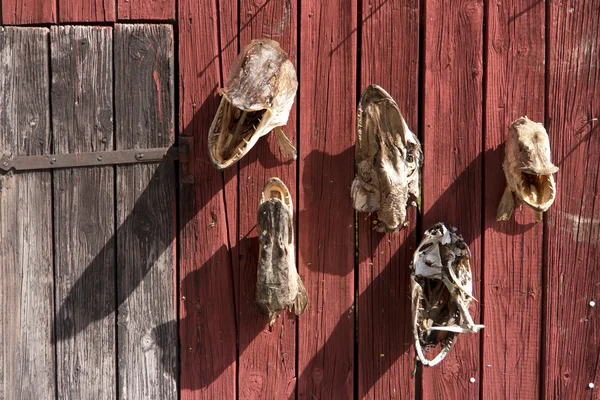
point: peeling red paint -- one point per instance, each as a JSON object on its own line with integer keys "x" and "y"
{"x": 157, "y": 82}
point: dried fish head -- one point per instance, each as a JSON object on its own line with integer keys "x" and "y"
{"x": 442, "y": 291}
{"x": 278, "y": 283}
{"x": 528, "y": 169}
{"x": 388, "y": 158}
{"x": 260, "y": 92}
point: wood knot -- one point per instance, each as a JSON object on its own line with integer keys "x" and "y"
{"x": 317, "y": 375}
{"x": 139, "y": 47}
{"x": 148, "y": 342}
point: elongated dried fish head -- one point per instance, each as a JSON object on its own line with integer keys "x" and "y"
{"x": 260, "y": 92}
{"x": 278, "y": 283}
{"x": 442, "y": 291}
{"x": 388, "y": 158}
{"x": 528, "y": 168}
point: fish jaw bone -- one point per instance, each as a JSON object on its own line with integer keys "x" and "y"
{"x": 262, "y": 83}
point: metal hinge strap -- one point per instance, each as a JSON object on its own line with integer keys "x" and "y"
{"x": 117, "y": 157}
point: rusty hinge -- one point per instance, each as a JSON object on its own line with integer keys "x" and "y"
{"x": 117, "y": 157}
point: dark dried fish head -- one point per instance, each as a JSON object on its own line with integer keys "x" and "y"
{"x": 260, "y": 92}
{"x": 388, "y": 158}
{"x": 528, "y": 169}
{"x": 278, "y": 285}
{"x": 442, "y": 291}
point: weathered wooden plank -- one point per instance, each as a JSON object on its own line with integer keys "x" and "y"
{"x": 207, "y": 308}
{"x": 267, "y": 356}
{"x": 326, "y": 221}
{"x": 27, "y": 367}
{"x": 146, "y": 214}
{"x": 452, "y": 171}
{"x": 82, "y": 110}
{"x": 389, "y": 58}
{"x": 24, "y": 12}
{"x": 86, "y": 10}
{"x": 228, "y": 23}
{"x": 573, "y": 222}
{"x": 512, "y": 298}
{"x": 159, "y": 10}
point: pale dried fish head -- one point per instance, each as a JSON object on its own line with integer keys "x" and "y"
{"x": 388, "y": 158}
{"x": 442, "y": 291}
{"x": 528, "y": 169}
{"x": 278, "y": 284}
{"x": 260, "y": 92}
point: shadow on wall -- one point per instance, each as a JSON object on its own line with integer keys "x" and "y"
{"x": 91, "y": 298}
{"x": 392, "y": 330}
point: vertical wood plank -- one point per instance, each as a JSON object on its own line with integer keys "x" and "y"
{"x": 24, "y": 12}
{"x": 267, "y": 355}
{"x": 86, "y": 11}
{"x": 389, "y": 58}
{"x": 146, "y": 214}
{"x": 452, "y": 171}
{"x": 227, "y": 52}
{"x": 573, "y": 222}
{"x": 82, "y": 111}
{"x": 159, "y": 10}
{"x": 326, "y": 220}
{"x": 27, "y": 367}
{"x": 512, "y": 298}
{"x": 207, "y": 325}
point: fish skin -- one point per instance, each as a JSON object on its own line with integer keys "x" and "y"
{"x": 261, "y": 79}
{"x": 388, "y": 158}
{"x": 528, "y": 169}
{"x": 278, "y": 284}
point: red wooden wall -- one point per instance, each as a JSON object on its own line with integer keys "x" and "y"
{"x": 461, "y": 72}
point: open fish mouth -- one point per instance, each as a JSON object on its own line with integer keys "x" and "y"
{"x": 260, "y": 92}
{"x": 537, "y": 190}
{"x": 441, "y": 291}
{"x": 528, "y": 169}
{"x": 233, "y": 133}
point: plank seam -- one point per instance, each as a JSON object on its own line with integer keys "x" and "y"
{"x": 178, "y": 227}
{"x": 418, "y": 383}
{"x": 298, "y": 176}
{"x": 359, "y": 39}
{"x": 115, "y": 217}
{"x": 93, "y": 23}
{"x": 484, "y": 83}
{"x": 53, "y": 214}
{"x": 544, "y": 319}
{"x": 237, "y": 210}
